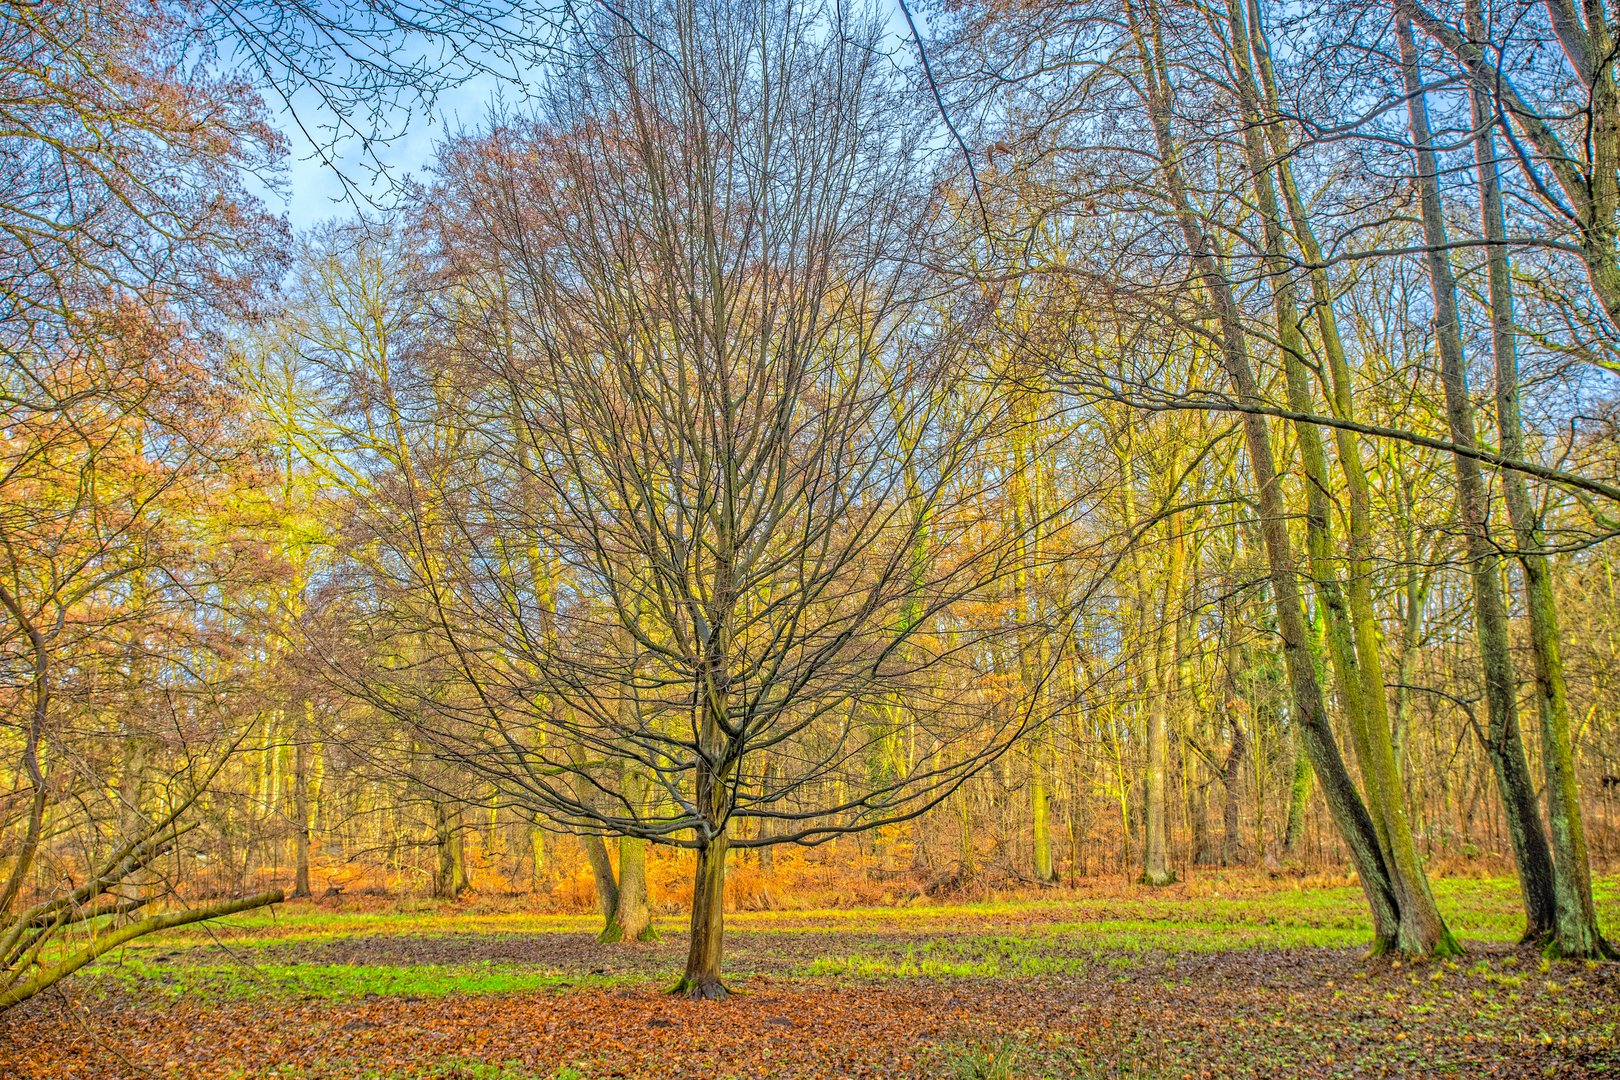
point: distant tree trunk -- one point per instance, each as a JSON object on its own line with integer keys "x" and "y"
{"x": 767, "y": 853}
{"x": 1299, "y": 798}
{"x": 631, "y": 919}
{"x": 966, "y": 861}
{"x": 1205, "y": 852}
{"x": 607, "y": 888}
{"x": 1232, "y": 853}
{"x": 1042, "y": 855}
{"x": 450, "y": 875}
{"x": 1155, "y": 855}
{"x": 1504, "y": 746}
{"x": 596, "y": 853}
{"x": 1576, "y": 930}
{"x": 301, "y": 807}
{"x": 132, "y": 785}
{"x": 537, "y": 851}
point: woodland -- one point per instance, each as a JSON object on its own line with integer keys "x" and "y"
{"x": 995, "y": 538}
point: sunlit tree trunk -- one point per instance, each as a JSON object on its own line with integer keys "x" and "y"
{"x": 301, "y": 803}
{"x": 1344, "y": 803}
{"x": 1490, "y": 617}
{"x": 631, "y": 919}
{"x": 1575, "y": 930}
{"x": 1356, "y": 655}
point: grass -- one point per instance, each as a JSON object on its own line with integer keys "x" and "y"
{"x": 1241, "y": 975}
{"x": 279, "y": 953}
{"x": 339, "y": 981}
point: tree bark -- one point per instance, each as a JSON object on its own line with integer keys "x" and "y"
{"x": 631, "y": 919}
{"x": 1299, "y": 797}
{"x": 1232, "y": 853}
{"x": 1352, "y": 630}
{"x": 1575, "y": 931}
{"x": 1344, "y": 803}
{"x": 300, "y": 808}
{"x": 1490, "y": 617}
{"x": 702, "y": 976}
{"x": 1041, "y": 811}
{"x": 607, "y": 888}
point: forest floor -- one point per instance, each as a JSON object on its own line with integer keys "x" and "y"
{"x": 1224, "y": 977}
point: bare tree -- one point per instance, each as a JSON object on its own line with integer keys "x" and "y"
{"x": 709, "y": 503}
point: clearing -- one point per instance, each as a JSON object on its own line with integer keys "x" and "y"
{"x": 1224, "y": 976}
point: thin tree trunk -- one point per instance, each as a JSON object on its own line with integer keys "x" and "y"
{"x": 1490, "y": 618}
{"x": 1155, "y": 861}
{"x": 1299, "y": 798}
{"x": 1042, "y": 855}
{"x": 301, "y": 807}
{"x": 1232, "y": 853}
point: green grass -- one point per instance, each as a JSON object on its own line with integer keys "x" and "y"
{"x": 349, "y": 980}
{"x": 1047, "y": 937}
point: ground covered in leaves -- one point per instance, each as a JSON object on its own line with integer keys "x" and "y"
{"x": 1220, "y": 977}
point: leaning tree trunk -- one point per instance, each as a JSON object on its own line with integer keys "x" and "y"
{"x": 1504, "y": 746}
{"x": 607, "y": 888}
{"x": 1576, "y": 930}
{"x": 1352, "y": 631}
{"x": 1344, "y": 803}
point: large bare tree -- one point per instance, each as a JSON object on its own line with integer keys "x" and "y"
{"x": 713, "y": 548}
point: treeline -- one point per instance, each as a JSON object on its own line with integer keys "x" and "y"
{"x": 1142, "y": 436}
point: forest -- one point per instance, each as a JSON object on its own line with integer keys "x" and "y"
{"x": 990, "y": 539}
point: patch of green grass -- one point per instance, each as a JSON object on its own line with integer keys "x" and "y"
{"x": 1027, "y": 1057}
{"x": 350, "y": 980}
{"x": 995, "y": 1062}
{"x": 954, "y": 957}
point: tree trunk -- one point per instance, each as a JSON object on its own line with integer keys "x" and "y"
{"x": 702, "y": 976}
{"x": 1155, "y": 856}
{"x": 1344, "y": 803}
{"x": 537, "y": 852}
{"x": 1490, "y": 618}
{"x": 607, "y": 889}
{"x": 1299, "y": 798}
{"x": 300, "y": 813}
{"x": 1232, "y": 853}
{"x": 1352, "y": 629}
{"x": 1576, "y": 929}
{"x": 631, "y": 919}
{"x": 1042, "y": 855}
{"x": 449, "y": 877}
